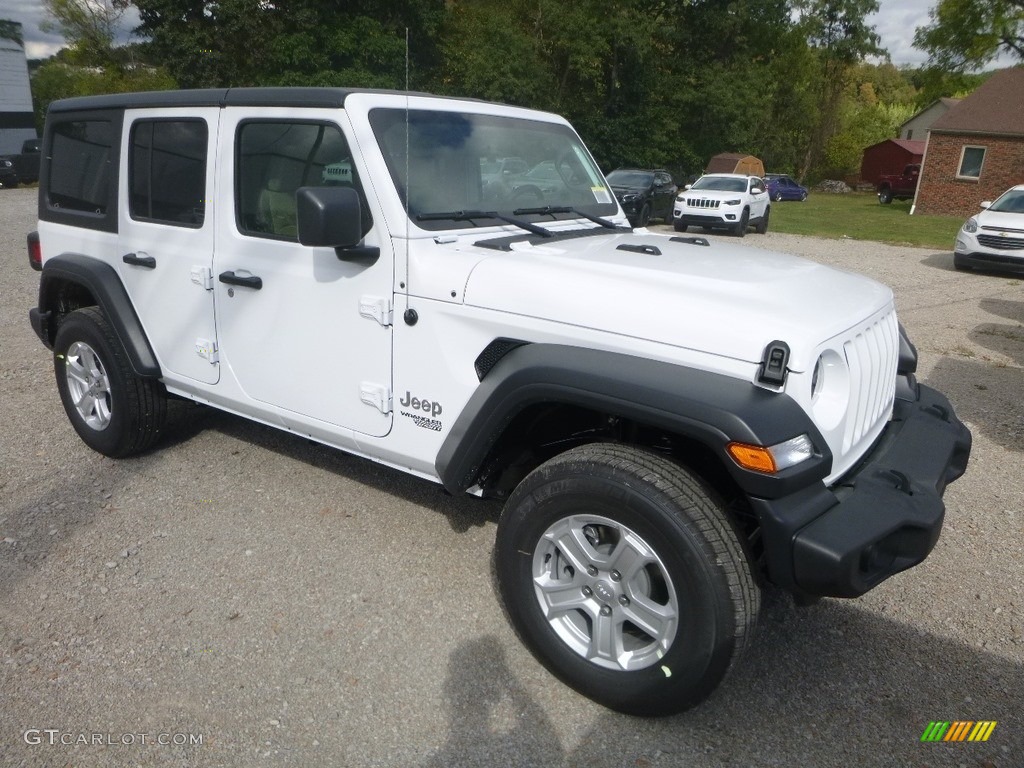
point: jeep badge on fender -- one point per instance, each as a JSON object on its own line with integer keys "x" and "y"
{"x": 668, "y": 428}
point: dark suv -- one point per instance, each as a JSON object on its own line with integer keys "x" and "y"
{"x": 644, "y": 195}
{"x": 27, "y": 163}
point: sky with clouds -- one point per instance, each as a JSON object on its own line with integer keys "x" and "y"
{"x": 895, "y": 22}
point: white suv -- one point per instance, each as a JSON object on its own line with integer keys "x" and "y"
{"x": 671, "y": 423}
{"x": 730, "y": 201}
{"x": 994, "y": 238}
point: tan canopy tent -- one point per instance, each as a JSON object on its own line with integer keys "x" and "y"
{"x": 732, "y": 162}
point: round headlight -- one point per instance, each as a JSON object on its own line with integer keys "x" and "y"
{"x": 817, "y": 378}
{"x": 971, "y": 225}
{"x": 830, "y": 389}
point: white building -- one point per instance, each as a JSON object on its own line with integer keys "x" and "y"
{"x": 16, "y": 119}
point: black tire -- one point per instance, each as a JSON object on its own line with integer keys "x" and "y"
{"x": 114, "y": 411}
{"x": 644, "y": 217}
{"x": 691, "y": 561}
{"x": 803, "y": 197}
{"x": 777, "y": 197}
{"x": 679, "y": 226}
{"x": 885, "y": 196}
{"x": 740, "y": 229}
{"x": 960, "y": 264}
{"x": 762, "y": 224}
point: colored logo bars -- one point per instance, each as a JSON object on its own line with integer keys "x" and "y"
{"x": 958, "y": 730}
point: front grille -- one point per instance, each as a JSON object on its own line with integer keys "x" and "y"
{"x": 872, "y": 355}
{"x": 1001, "y": 243}
{"x": 702, "y": 202}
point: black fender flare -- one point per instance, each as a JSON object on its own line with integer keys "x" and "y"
{"x": 711, "y": 408}
{"x": 104, "y": 284}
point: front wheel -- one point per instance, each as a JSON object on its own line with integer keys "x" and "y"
{"x": 679, "y": 226}
{"x": 644, "y": 217}
{"x": 114, "y": 411}
{"x": 621, "y": 573}
{"x": 740, "y": 229}
{"x": 885, "y": 196}
{"x": 762, "y": 225}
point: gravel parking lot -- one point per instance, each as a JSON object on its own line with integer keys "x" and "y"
{"x": 251, "y": 598}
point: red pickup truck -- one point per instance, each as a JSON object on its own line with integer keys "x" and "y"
{"x": 892, "y": 187}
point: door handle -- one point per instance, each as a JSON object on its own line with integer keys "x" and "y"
{"x": 247, "y": 282}
{"x": 139, "y": 261}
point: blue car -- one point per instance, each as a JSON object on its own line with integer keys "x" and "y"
{"x": 782, "y": 187}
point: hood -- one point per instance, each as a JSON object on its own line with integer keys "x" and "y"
{"x": 713, "y": 194}
{"x": 1000, "y": 220}
{"x": 721, "y": 299}
{"x": 629, "y": 187}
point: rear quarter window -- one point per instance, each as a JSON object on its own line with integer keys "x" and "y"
{"x": 79, "y": 176}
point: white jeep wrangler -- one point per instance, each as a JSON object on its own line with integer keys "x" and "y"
{"x": 673, "y": 423}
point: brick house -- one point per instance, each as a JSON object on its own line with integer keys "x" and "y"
{"x": 975, "y": 151}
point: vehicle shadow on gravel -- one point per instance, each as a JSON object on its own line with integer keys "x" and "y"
{"x": 462, "y": 512}
{"x": 830, "y": 685}
{"x": 985, "y": 394}
{"x": 943, "y": 261}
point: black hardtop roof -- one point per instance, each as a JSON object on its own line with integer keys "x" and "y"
{"x": 220, "y": 97}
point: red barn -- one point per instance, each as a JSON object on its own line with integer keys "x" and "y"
{"x": 889, "y": 157}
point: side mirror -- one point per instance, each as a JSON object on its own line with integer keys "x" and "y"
{"x": 687, "y": 186}
{"x": 985, "y": 204}
{"x": 329, "y": 217}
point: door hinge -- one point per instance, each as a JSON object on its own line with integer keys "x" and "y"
{"x": 376, "y": 308}
{"x": 376, "y": 395}
{"x": 203, "y": 276}
{"x": 208, "y": 350}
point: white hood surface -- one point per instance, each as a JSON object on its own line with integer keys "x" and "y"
{"x": 719, "y": 298}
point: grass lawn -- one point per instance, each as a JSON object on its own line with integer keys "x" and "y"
{"x": 860, "y": 216}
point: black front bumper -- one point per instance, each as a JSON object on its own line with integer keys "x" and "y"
{"x": 881, "y": 518}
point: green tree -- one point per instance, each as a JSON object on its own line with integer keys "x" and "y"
{"x": 10, "y": 31}
{"x": 968, "y": 34}
{"x": 838, "y": 32}
{"x": 224, "y": 43}
{"x": 93, "y": 62}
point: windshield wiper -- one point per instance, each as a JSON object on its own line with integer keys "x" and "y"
{"x": 469, "y": 215}
{"x": 568, "y": 209}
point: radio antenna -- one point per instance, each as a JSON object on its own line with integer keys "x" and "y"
{"x": 408, "y": 178}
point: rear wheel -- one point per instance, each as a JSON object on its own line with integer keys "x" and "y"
{"x": 114, "y": 411}
{"x": 619, "y": 570}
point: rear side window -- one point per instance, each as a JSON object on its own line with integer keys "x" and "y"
{"x": 167, "y": 171}
{"x": 274, "y": 159}
{"x": 81, "y": 175}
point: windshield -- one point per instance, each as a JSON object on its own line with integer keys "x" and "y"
{"x": 459, "y": 162}
{"x": 1009, "y": 202}
{"x": 630, "y": 179}
{"x": 720, "y": 184}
